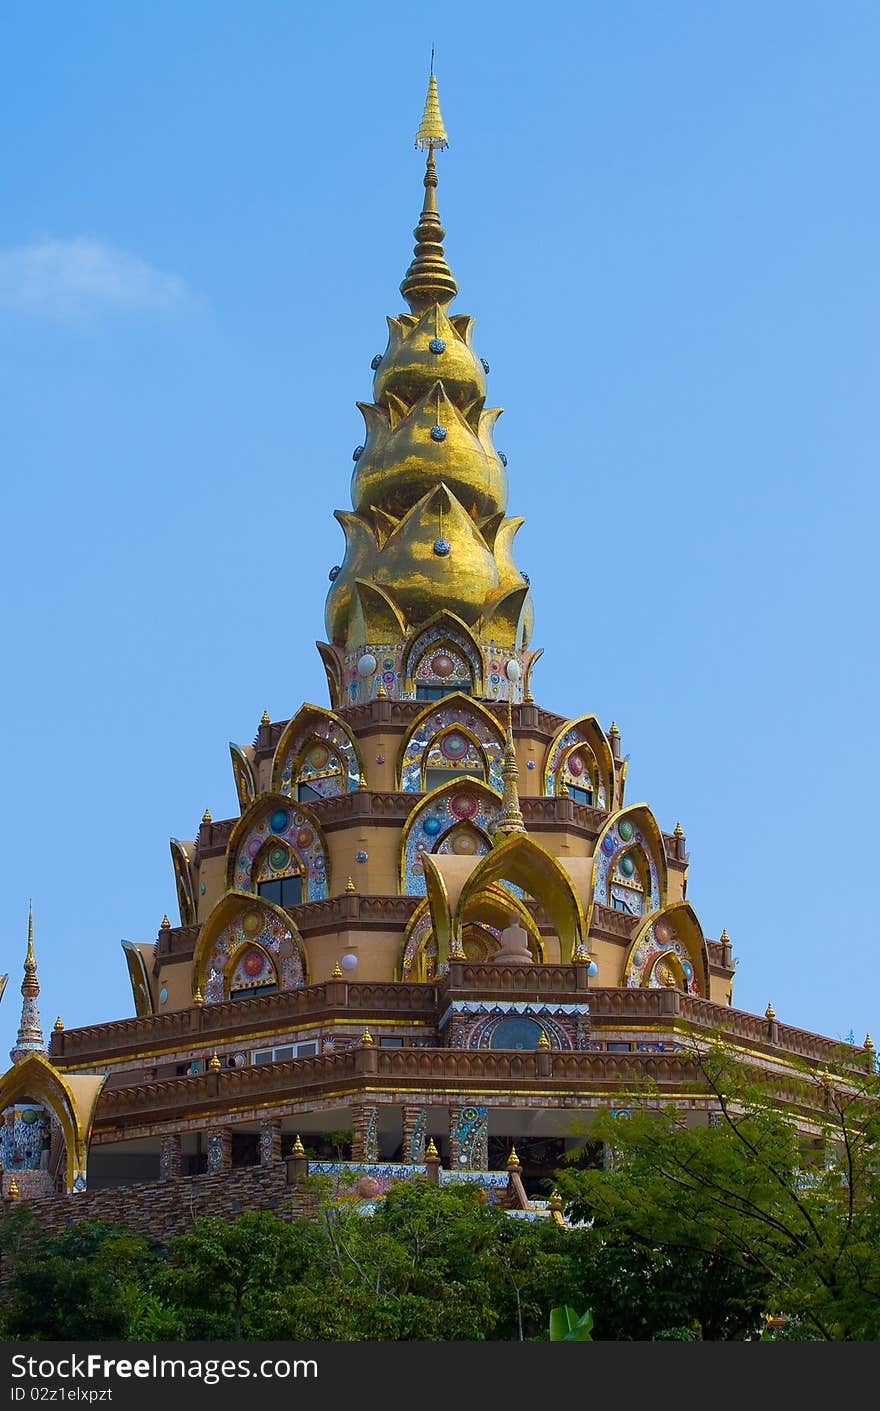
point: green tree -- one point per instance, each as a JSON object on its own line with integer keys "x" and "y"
{"x": 744, "y": 1205}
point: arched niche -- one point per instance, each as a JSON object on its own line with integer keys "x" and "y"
{"x": 316, "y": 757}
{"x": 238, "y": 922}
{"x": 443, "y": 658}
{"x": 274, "y": 840}
{"x": 461, "y": 812}
{"x": 485, "y": 917}
{"x": 522, "y": 862}
{"x": 455, "y": 736}
{"x": 629, "y": 871}
{"x": 669, "y": 950}
{"x": 70, "y": 1099}
{"x": 579, "y": 763}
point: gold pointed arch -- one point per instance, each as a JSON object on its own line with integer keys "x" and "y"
{"x": 333, "y": 671}
{"x": 267, "y": 803}
{"x": 457, "y": 700}
{"x": 3, "y": 979}
{"x": 454, "y": 786}
{"x": 495, "y": 904}
{"x": 688, "y": 930}
{"x": 521, "y": 860}
{"x": 223, "y": 913}
{"x": 643, "y": 815}
{"x": 71, "y": 1098}
{"x": 137, "y": 973}
{"x": 598, "y": 743}
{"x": 304, "y": 717}
{"x": 454, "y": 626}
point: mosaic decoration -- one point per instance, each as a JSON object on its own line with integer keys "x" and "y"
{"x": 573, "y": 756}
{"x": 79, "y": 1183}
{"x": 254, "y": 970}
{"x": 215, "y": 1153}
{"x": 436, "y": 742}
{"x": 624, "y": 847}
{"x": 267, "y": 1143}
{"x": 505, "y": 673}
{"x": 440, "y": 656}
{"x": 516, "y": 1024}
{"x": 384, "y": 1173}
{"x": 471, "y": 1136}
{"x": 253, "y": 928}
{"x": 660, "y": 959}
{"x": 321, "y": 755}
{"x": 389, "y": 673}
{"x": 459, "y": 821}
{"x": 371, "y": 1135}
{"x": 417, "y": 1136}
{"x": 421, "y": 938}
{"x": 284, "y": 842}
{"x": 25, "y": 1137}
{"x": 169, "y": 1157}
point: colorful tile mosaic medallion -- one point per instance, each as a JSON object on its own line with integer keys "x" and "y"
{"x": 661, "y": 958}
{"x": 253, "y": 930}
{"x": 626, "y": 873}
{"x": 321, "y": 756}
{"x": 453, "y": 735}
{"x": 283, "y": 842}
{"x": 573, "y": 755}
{"x": 25, "y": 1134}
{"x": 460, "y": 821}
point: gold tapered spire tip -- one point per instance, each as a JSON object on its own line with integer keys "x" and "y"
{"x": 769, "y": 1012}
{"x": 12, "y": 1190}
{"x": 513, "y": 1159}
{"x": 430, "y": 1150}
{"x": 215, "y": 1063}
{"x": 166, "y": 924}
{"x": 337, "y": 971}
{"x": 298, "y": 1149}
{"x": 206, "y": 816}
{"x": 431, "y": 131}
{"x": 58, "y": 1025}
{"x": 366, "y": 1038}
{"x": 264, "y": 718}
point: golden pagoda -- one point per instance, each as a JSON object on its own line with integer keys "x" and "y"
{"x": 432, "y": 863}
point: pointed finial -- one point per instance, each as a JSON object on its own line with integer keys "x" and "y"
{"x": 198, "y": 997}
{"x": 555, "y": 1200}
{"x": 12, "y": 1191}
{"x": 30, "y": 1035}
{"x": 679, "y": 831}
{"x": 362, "y": 781}
{"x": 769, "y": 1012}
{"x": 543, "y": 1041}
{"x": 366, "y": 1039}
{"x": 215, "y": 1063}
{"x": 513, "y": 1160}
{"x": 429, "y": 279}
{"x": 166, "y": 924}
{"x": 431, "y": 1152}
{"x": 869, "y": 1043}
{"x": 614, "y": 730}
{"x": 297, "y": 1149}
{"x": 724, "y": 938}
{"x": 510, "y": 819}
{"x": 337, "y": 971}
{"x": 264, "y": 718}
{"x": 431, "y": 131}
{"x": 381, "y": 693}
{"x": 350, "y": 886}
{"x": 206, "y": 816}
{"x": 58, "y": 1026}
{"x": 825, "y": 1077}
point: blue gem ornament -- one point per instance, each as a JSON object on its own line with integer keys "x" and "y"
{"x": 502, "y": 457}
{"x": 437, "y": 345}
{"x": 485, "y": 366}
{"x": 334, "y": 573}
{"x": 438, "y": 433}
{"x": 376, "y": 361}
{"x": 441, "y": 548}
{"x": 357, "y": 453}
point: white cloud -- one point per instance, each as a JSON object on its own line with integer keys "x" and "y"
{"x": 68, "y": 277}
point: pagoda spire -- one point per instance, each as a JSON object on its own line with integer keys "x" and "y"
{"x": 511, "y": 819}
{"x": 429, "y": 280}
{"x": 30, "y": 1035}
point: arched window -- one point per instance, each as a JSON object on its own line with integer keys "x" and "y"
{"x": 440, "y": 670}
{"x": 629, "y": 883}
{"x": 319, "y": 773}
{"x": 277, "y": 874}
{"x": 454, "y": 753}
{"x": 251, "y": 972}
{"x": 579, "y": 776}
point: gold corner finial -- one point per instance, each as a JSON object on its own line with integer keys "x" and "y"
{"x": 869, "y": 1043}
{"x": 381, "y": 693}
{"x": 337, "y": 971}
{"x": 431, "y": 1151}
{"x": 362, "y": 781}
{"x": 724, "y": 936}
{"x": 198, "y": 997}
{"x": 679, "y": 831}
{"x": 614, "y": 730}
{"x": 350, "y": 886}
{"x": 165, "y": 924}
{"x": 58, "y": 1026}
{"x": 366, "y": 1038}
{"x": 543, "y": 1041}
{"x": 264, "y": 718}
{"x": 769, "y": 1012}
{"x": 215, "y": 1063}
{"x": 432, "y": 132}
{"x": 513, "y": 1159}
{"x": 510, "y": 819}
{"x": 12, "y": 1190}
{"x": 298, "y": 1149}
{"x": 825, "y": 1077}
{"x": 555, "y": 1200}
{"x": 206, "y": 816}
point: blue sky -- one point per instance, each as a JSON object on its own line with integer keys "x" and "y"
{"x": 664, "y": 218}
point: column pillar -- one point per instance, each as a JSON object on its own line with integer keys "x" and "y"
{"x": 468, "y": 1138}
{"x": 169, "y": 1157}
{"x": 270, "y": 1141}
{"x": 365, "y": 1129}
{"x": 415, "y": 1128}
{"x": 219, "y": 1150}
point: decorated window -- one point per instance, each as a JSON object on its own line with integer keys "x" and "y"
{"x": 450, "y": 742}
{"x": 252, "y": 972}
{"x": 459, "y": 821}
{"x": 627, "y": 879}
{"x": 320, "y": 773}
{"x": 281, "y": 856}
{"x": 627, "y": 886}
